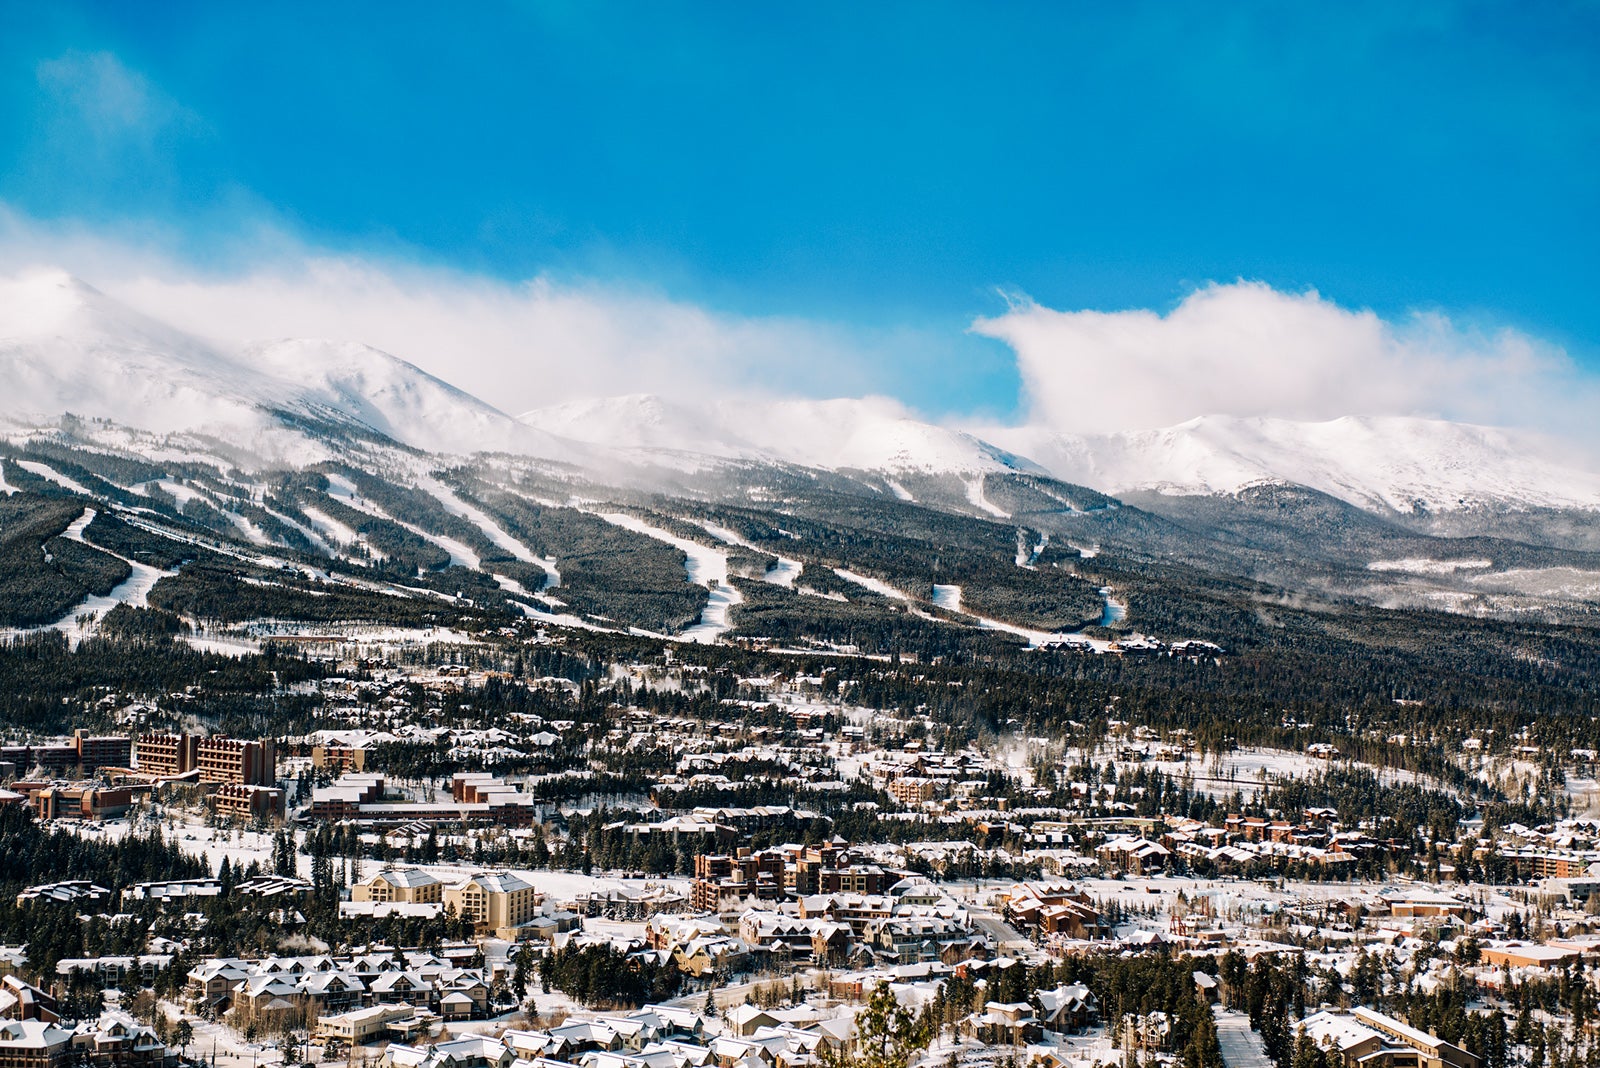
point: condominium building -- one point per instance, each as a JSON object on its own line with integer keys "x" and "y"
{"x": 166, "y": 755}
{"x": 401, "y": 885}
{"x": 233, "y": 760}
{"x": 493, "y": 900}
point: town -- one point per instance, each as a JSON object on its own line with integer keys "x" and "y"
{"x": 449, "y": 863}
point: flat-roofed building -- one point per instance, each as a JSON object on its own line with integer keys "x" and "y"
{"x": 234, "y": 760}
{"x": 165, "y": 755}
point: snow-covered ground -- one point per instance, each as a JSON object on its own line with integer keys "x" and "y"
{"x": 5, "y": 487}
{"x": 1114, "y": 612}
{"x": 704, "y": 565}
{"x": 781, "y": 573}
{"x": 947, "y": 597}
{"x": 1418, "y": 565}
{"x": 882, "y": 589}
{"x": 50, "y": 474}
{"x": 81, "y": 620}
{"x": 1028, "y": 555}
{"x": 976, "y": 498}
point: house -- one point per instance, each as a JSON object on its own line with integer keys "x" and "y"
{"x": 117, "y": 1040}
{"x": 1374, "y": 1040}
{"x": 1003, "y": 1024}
{"x": 35, "y": 1044}
{"x": 24, "y": 1001}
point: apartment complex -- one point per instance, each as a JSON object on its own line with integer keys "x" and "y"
{"x": 233, "y": 760}
{"x": 217, "y": 758}
{"x": 85, "y": 751}
{"x": 166, "y": 755}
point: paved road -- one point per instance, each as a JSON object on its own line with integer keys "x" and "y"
{"x": 1241, "y": 1047}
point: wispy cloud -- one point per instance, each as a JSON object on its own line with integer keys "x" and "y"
{"x": 1248, "y": 349}
{"x": 517, "y": 345}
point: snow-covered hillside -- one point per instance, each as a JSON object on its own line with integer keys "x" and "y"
{"x": 1399, "y": 463}
{"x": 67, "y": 347}
{"x": 868, "y": 433}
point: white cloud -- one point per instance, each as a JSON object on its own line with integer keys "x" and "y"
{"x": 1247, "y": 349}
{"x": 516, "y": 345}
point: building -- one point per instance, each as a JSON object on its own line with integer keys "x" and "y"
{"x": 342, "y": 758}
{"x": 720, "y": 879}
{"x": 1373, "y": 1040}
{"x": 34, "y": 1044}
{"x": 117, "y": 1040}
{"x": 82, "y": 801}
{"x": 24, "y": 1001}
{"x": 344, "y": 799}
{"x": 493, "y": 901}
{"x": 94, "y": 753}
{"x": 233, "y": 760}
{"x": 243, "y": 802}
{"x": 166, "y": 756}
{"x": 405, "y": 885}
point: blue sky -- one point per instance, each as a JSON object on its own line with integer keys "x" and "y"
{"x": 880, "y": 170}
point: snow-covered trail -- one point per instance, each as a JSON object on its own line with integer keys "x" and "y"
{"x": 50, "y": 474}
{"x": 949, "y": 598}
{"x": 133, "y": 591}
{"x": 497, "y": 535}
{"x": 1028, "y": 556}
{"x": 316, "y": 540}
{"x": 882, "y": 589}
{"x": 976, "y": 498}
{"x": 1114, "y": 611}
{"x": 344, "y": 491}
{"x": 782, "y": 573}
{"x": 899, "y": 491}
{"x": 5, "y": 487}
{"x": 705, "y": 566}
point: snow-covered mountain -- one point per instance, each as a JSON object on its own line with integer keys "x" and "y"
{"x": 1380, "y": 463}
{"x": 67, "y": 347}
{"x": 868, "y": 433}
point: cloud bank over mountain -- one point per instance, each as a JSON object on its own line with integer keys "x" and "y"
{"x": 1241, "y": 349}
{"x": 1246, "y": 349}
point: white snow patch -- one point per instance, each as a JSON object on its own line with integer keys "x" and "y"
{"x": 781, "y": 573}
{"x": 50, "y": 474}
{"x": 1421, "y": 565}
{"x": 899, "y": 490}
{"x": 947, "y": 597}
{"x": 5, "y": 487}
{"x": 133, "y": 591}
{"x": 976, "y": 498}
{"x": 704, "y": 565}
{"x": 882, "y": 589}
{"x": 1028, "y": 556}
{"x": 1114, "y": 611}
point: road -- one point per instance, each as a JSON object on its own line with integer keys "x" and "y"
{"x": 1241, "y": 1047}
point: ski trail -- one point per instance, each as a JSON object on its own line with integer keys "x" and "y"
{"x": 133, "y": 591}
{"x": 882, "y": 589}
{"x": 782, "y": 573}
{"x": 705, "y": 566}
{"x": 976, "y": 498}
{"x": 497, "y": 535}
{"x": 50, "y": 474}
